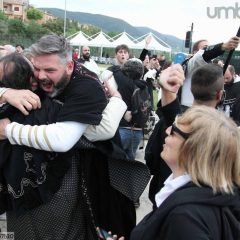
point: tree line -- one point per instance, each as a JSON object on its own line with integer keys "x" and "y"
{"x": 17, "y": 31}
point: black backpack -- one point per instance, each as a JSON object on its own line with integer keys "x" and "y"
{"x": 141, "y": 106}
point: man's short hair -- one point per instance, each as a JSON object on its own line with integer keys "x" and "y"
{"x": 120, "y": 47}
{"x": 195, "y": 47}
{"x": 231, "y": 69}
{"x": 206, "y": 82}
{"x": 53, "y": 44}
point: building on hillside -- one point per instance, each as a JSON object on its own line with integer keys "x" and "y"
{"x": 17, "y": 9}
{"x": 46, "y": 17}
{"x": 14, "y": 9}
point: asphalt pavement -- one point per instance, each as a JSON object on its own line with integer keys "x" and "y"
{"x": 145, "y": 204}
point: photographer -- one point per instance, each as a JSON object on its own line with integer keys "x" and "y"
{"x": 202, "y": 54}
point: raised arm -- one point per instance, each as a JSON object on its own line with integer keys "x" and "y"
{"x": 144, "y": 52}
{"x": 171, "y": 79}
{"x": 218, "y": 49}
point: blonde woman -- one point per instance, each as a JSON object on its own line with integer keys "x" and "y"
{"x": 200, "y": 199}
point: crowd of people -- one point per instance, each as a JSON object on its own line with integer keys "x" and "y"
{"x": 70, "y": 133}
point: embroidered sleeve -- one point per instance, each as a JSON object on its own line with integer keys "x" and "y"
{"x": 57, "y": 137}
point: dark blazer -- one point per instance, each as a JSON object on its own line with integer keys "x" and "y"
{"x": 158, "y": 168}
{"x": 193, "y": 212}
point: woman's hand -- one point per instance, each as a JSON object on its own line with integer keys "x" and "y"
{"x": 23, "y": 100}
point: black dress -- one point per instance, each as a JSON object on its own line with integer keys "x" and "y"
{"x": 87, "y": 195}
{"x": 66, "y": 214}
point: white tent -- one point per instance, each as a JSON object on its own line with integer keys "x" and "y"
{"x": 80, "y": 39}
{"x": 124, "y": 39}
{"x": 100, "y": 40}
{"x": 154, "y": 44}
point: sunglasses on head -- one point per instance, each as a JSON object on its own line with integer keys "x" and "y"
{"x": 178, "y": 131}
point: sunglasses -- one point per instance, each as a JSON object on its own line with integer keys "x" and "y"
{"x": 178, "y": 131}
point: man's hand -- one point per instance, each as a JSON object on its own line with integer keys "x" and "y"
{"x": 171, "y": 79}
{"x": 24, "y": 100}
{"x": 3, "y": 124}
{"x": 231, "y": 44}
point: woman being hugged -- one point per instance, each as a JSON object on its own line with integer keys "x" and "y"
{"x": 201, "y": 198}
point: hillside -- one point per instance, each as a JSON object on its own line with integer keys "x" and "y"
{"x": 110, "y": 24}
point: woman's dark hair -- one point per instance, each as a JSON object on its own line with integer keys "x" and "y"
{"x": 17, "y": 72}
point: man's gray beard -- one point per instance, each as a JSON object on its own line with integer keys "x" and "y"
{"x": 54, "y": 93}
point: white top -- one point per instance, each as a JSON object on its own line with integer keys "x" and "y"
{"x": 171, "y": 185}
{"x": 195, "y": 62}
{"x": 92, "y": 66}
{"x": 151, "y": 73}
{"x": 236, "y": 79}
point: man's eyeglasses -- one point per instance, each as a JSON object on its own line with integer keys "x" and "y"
{"x": 178, "y": 131}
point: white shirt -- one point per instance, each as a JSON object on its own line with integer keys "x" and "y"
{"x": 92, "y": 66}
{"x": 171, "y": 185}
{"x": 62, "y": 136}
{"x": 236, "y": 79}
{"x": 195, "y": 62}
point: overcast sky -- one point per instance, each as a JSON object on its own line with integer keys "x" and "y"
{"x": 166, "y": 16}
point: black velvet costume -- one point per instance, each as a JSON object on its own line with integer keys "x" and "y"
{"x": 80, "y": 190}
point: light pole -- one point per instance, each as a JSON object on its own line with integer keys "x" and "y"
{"x": 190, "y": 45}
{"x": 65, "y": 15}
{"x": 2, "y": 5}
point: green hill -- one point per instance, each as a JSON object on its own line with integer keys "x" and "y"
{"x": 110, "y": 24}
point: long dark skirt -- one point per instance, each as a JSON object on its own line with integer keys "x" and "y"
{"x": 65, "y": 217}
{"x": 112, "y": 210}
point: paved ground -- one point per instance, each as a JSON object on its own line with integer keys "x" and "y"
{"x": 145, "y": 204}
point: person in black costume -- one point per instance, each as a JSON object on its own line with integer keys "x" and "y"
{"x": 84, "y": 100}
{"x": 232, "y": 91}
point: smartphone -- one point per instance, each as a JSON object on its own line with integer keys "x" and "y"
{"x": 103, "y": 234}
